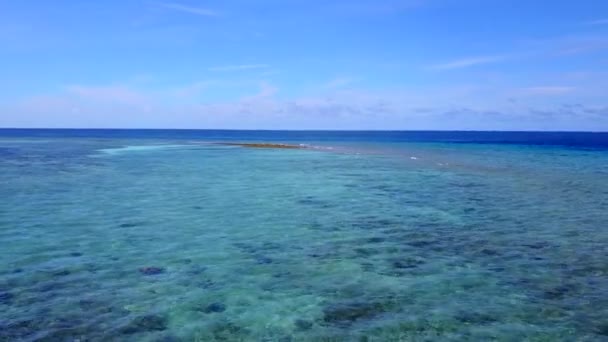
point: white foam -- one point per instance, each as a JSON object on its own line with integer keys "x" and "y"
{"x": 138, "y": 148}
{"x": 317, "y": 147}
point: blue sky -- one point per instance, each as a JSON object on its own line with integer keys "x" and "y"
{"x": 281, "y": 64}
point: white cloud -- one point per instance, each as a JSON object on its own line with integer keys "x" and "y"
{"x": 265, "y": 92}
{"x": 547, "y": 90}
{"x": 468, "y": 62}
{"x": 457, "y": 107}
{"x": 107, "y": 94}
{"x": 584, "y": 45}
{"x": 190, "y": 9}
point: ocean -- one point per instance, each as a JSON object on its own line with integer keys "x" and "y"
{"x": 166, "y": 235}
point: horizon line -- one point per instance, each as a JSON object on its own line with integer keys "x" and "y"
{"x": 298, "y": 130}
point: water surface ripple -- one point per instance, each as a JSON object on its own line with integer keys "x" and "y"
{"x": 170, "y": 240}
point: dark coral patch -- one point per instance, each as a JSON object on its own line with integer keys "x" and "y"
{"x": 537, "y": 245}
{"x": 214, "y": 308}
{"x": 227, "y": 331}
{"x": 602, "y": 329}
{"x": 489, "y": 252}
{"x": 557, "y": 292}
{"x": 6, "y": 297}
{"x": 349, "y": 312}
{"x": 405, "y": 263}
{"x": 60, "y": 273}
{"x": 302, "y": 324}
{"x": 145, "y": 323}
{"x": 421, "y": 243}
{"x": 263, "y": 260}
{"x": 475, "y": 318}
{"x": 151, "y": 270}
{"x": 18, "y": 331}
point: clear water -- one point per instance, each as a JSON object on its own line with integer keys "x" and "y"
{"x": 161, "y": 236}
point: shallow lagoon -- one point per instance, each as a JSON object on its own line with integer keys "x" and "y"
{"x": 166, "y": 239}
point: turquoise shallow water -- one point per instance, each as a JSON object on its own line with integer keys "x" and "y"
{"x": 162, "y": 239}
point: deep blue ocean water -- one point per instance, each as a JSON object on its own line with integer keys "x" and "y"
{"x": 163, "y": 235}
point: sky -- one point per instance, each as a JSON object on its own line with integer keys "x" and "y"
{"x": 305, "y": 64}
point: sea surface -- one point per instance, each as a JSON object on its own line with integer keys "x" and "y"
{"x": 165, "y": 235}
